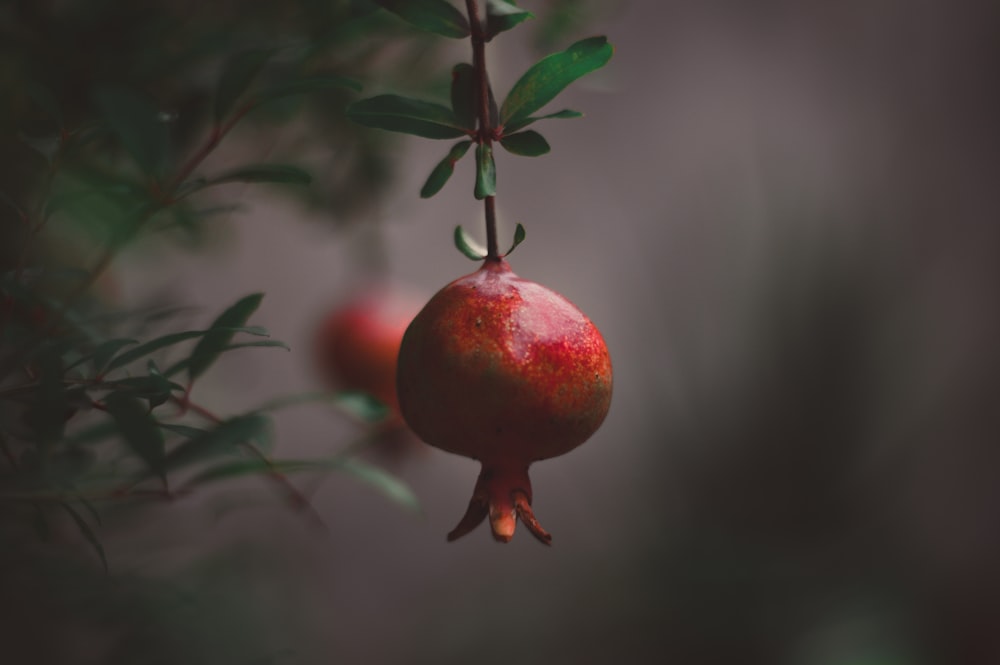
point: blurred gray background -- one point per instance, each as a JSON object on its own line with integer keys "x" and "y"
{"x": 782, "y": 216}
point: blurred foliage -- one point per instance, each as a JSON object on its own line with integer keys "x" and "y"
{"x": 113, "y": 117}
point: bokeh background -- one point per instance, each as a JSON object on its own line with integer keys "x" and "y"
{"x": 782, "y": 216}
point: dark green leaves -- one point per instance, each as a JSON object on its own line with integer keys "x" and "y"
{"x": 512, "y": 127}
{"x": 174, "y": 338}
{"x": 137, "y": 124}
{"x": 410, "y": 116}
{"x": 486, "y": 172}
{"x": 273, "y": 173}
{"x": 139, "y": 430}
{"x": 220, "y": 333}
{"x": 467, "y": 246}
{"x": 436, "y": 16}
{"x": 442, "y": 172}
{"x": 239, "y": 73}
{"x": 87, "y": 533}
{"x": 226, "y": 436}
{"x": 502, "y": 15}
{"x": 529, "y": 144}
{"x": 548, "y": 77}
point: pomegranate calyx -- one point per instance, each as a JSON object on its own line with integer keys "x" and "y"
{"x": 503, "y": 495}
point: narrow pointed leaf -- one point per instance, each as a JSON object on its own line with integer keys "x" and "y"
{"x": 444, "y": 170}
{"x": 528, "y": 144}
{"x": 361, "y": 406}
{"x": 139, "y": 430}
{"x": 463, "y": 95}
{"x": 409, "y": 116}
{"x": 219, "y": 335}
{"x": 549, "y": 76}
{"x": 436, "y": 16}
{"x": 175, "y": 338}
{"x": 519, "y": 236}
{"x": 237, "y": 76}
{"x": 224, "y": 438}
{"x": 467, "y": 246}
{"x": 512, "y": 127}
{"x": 486, "y": 172}
{"x": 390, "y": 486}
{"x": 87, "y": 533}
{"x": 135, "y": 121}
{"x": 184, "y": 430}
{"x": 102, "y": 353}
{"x": 502, "y": 15}
{"x": 265, "y": 343}
{"x": 302, "y": 86}
{"x": 275, "y": 173}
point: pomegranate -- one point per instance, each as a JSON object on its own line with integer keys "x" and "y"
{"x": 357, "y": 344}
{"x": 507, "y": 372}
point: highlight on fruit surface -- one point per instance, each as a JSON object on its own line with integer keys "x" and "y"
{"x": 507, "y": 372}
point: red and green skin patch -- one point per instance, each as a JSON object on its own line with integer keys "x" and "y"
{"x": 508, "y": 372}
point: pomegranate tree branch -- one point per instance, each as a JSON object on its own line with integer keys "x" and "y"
{"x": 486, "y": 129}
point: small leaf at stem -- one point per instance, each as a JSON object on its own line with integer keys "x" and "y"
{"x": 463, "y": 95}
{"x": 444, "y": 169}
{"x": 529, "y": 144}
{"x": 223, "y": 438}
{"x": 467, "y": 246}
{"x": 519, "y": 236}
{"x": 409, "y": 116}
{"x": 217, "y": 338}
{"x": 139, "y": 430}
{"x": 486, "y": 172}
{"x": 87, "y": 533}
{"x": 436, "y": 16}
{"x": 274, "y": 173}
{"x": 361, "y": 406}
{"x": 135, "y": 121}
{"x": 550, "y": 75}
{"x": 239, "y": 73}
{"x": 511, "y": 127}
{"x": 502, "y": 15}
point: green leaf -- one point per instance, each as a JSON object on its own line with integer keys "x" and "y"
{"x": 237, "y": 76}
{"x": 295, "y": 400}
{"x": 276, "y": 173}
{"x": 549, "y": 76}
{"x": 136, "y": 122}
{"x": 362, "y": 406}
{"x": 267, "y": 343}
{"x": 519, "y": 236}
{"x": 87, "y": 533}
{"x": 502, "y": 15}
{"x": 511, "y": 127}
{"x": 486, "y": 172}
{"x": 139, "y": 430}
{"x": 467, "y": 246}
{"x": 528, "y": 144}
{"x": 444, "y": 169}
{"x": 175, "y": 338}
{"x": 301, "y": 87}
{"x": 463, "y": 95}
{"x": 219, "y": 334}
{"x": 223, "y": 438}
{"x": 409, "y": 116}
{"x": 101, "y": 354}
{"x": 184, "y": 430}
{"x": 436, "y": 16}
{"x": 387, "y": 484}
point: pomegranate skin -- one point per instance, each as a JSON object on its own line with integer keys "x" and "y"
{"x": 507, "y": 372}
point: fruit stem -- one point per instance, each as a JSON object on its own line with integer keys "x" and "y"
{"x": 486, "y": 129}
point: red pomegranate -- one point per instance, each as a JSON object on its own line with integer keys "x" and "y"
{"x": 357, "y": 344}
{"x": 507, "y": 372}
